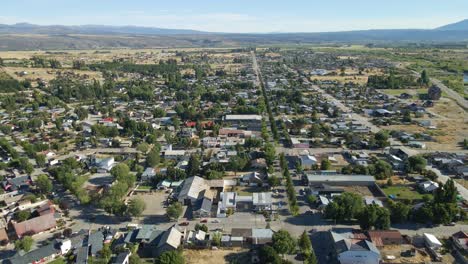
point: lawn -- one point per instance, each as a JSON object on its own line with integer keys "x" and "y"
{"x": 402, "y": 192}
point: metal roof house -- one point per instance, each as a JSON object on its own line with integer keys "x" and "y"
{"x": 349, "y": 250}
{"x": 339, "y": 179}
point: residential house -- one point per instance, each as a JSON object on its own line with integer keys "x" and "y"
{"x": 262, "y": 201}
{"x": 349, "y": 250}
{"x": 382, "y": 238}
{"x": 43, "y": 254}
{"x": 34, "y": 225}
{"x": 122, "y": 258}
{"x": 460, "y": 241}
{"x": 308, "y": 161}
{"x": 428, "y": 186}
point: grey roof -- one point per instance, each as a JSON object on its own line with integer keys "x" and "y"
{"x": 340, "y": 178}
{"x": 36, "y": 255}
{"x": 263, "y": 198}
{"x": 121, "y": 257}
{"x": 95, "y": 241}
{"x": 262, "y": 233}
{"x": 343, "y": 242}
{"x": 82, "y": 255}
{"x": 203, "y": 204}
{"x": 192, "y": 188}
{"x": 171, "y": 237}
{"x": 131, "y": 236}
{"x": 144, "y": 232}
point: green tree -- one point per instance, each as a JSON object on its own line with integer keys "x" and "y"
{"x": 382, "y": 169}
{"x": 24, "y": 243}
{"x": 153, "y": 158}
{"x": 136, "y": 206}
{"x": 193, "y": 166}
{"x": 344, "y": 207}
{"x": 121, "y": 172}
{"x": 22, "y": 215}
{"x": 170, "y": 257}
{"x": 270, "y": 153}
{"x": 399, "y": 212}
{"x": 304, "y": 243}
{"x": 269, "y": 255}
{"x": 174, "y": 211}
{"x": 325, "y": 164}
{"x": 216, "y": 239}
{"x": 274, "y": 181}
{"x": 44, "y": 184}
{"x": 283, "y": 242}
{"x": 40, "y": 160}
{"x": 417, "y": 163}
{"x": 424, "y": 79}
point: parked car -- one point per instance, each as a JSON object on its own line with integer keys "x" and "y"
{"x": 184, "y": 223}
{"x": 215, "y": 221}
{"x": 204, "y": 221}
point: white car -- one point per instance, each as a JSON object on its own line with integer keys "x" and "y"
{"x": 216, "y": 221}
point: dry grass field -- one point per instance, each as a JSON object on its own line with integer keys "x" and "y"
{"x": 219, "y": 256}
{"x": 46, "y": 73}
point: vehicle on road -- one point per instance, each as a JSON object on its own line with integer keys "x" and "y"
{"x": 186, "y": 223}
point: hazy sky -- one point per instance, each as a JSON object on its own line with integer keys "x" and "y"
{"x": 240, "y": 15}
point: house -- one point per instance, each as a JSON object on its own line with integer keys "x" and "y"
{"x": 202, "y": 208}
{"x": 338, "y": 179}
{"x": 460, "y": 240}
{"x": 262, "y": 201}
{"x": 122, "y": 258}
{"x": 43, "y": 254}
{"x": 428, "y": 186}
{"x": 228, "y": 202}
{"x": 308, "y": 161}
{"x": 95, "y": 242}
{"x": 196, "y": 238}
{"x": 258, "y": 163}
{"x": 192, "y": 190}
{"x": 382, "y": 238}
{"x": 171, "y": 239}
{"x": 148, "y": 174}
{"x": 104, "y": 165}
{"x": 17, "y": 183}
{"x": 34, "y": 225}
{"x": 253, "y": 178}
{"x": 350, "y": 250}
{"x": 261, "y": 236}
{"x": 431, "y": 241}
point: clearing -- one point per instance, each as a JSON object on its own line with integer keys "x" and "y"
{"x": 217, "y": 256}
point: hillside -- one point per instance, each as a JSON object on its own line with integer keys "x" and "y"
{"x": 462, "y": 25}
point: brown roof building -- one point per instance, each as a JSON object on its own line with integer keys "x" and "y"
{"x": 3, "y": 237}
{"x": 385, "y": 237}
{"x": 35, "y": 225}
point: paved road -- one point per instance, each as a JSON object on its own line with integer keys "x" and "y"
{"x": 443, "y": 178}
{"x": 452, "y": 94}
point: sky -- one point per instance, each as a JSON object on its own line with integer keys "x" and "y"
{"x": 243, "y": 16}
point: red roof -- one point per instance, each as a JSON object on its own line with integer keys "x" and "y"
{"x": 204, "y": 124}
{"x": 35, "y": 225}
{"x": 47, "y": 208}
{"x": 108, "y": 119}
{"x": 379, "y": 236}
{"x": 3, "y": 235}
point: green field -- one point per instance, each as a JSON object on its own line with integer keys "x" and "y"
{"x": 402, "y": 192}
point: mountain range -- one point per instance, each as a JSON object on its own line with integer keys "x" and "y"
{"x": 24, "y": 36}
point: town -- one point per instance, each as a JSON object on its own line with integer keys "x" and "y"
{"x": 307, "y": 154}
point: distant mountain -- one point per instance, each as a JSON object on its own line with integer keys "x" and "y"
{"x": 26, "y": 28}
{"x": 461, "y": 25}
{"x": 25, "y": 36}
